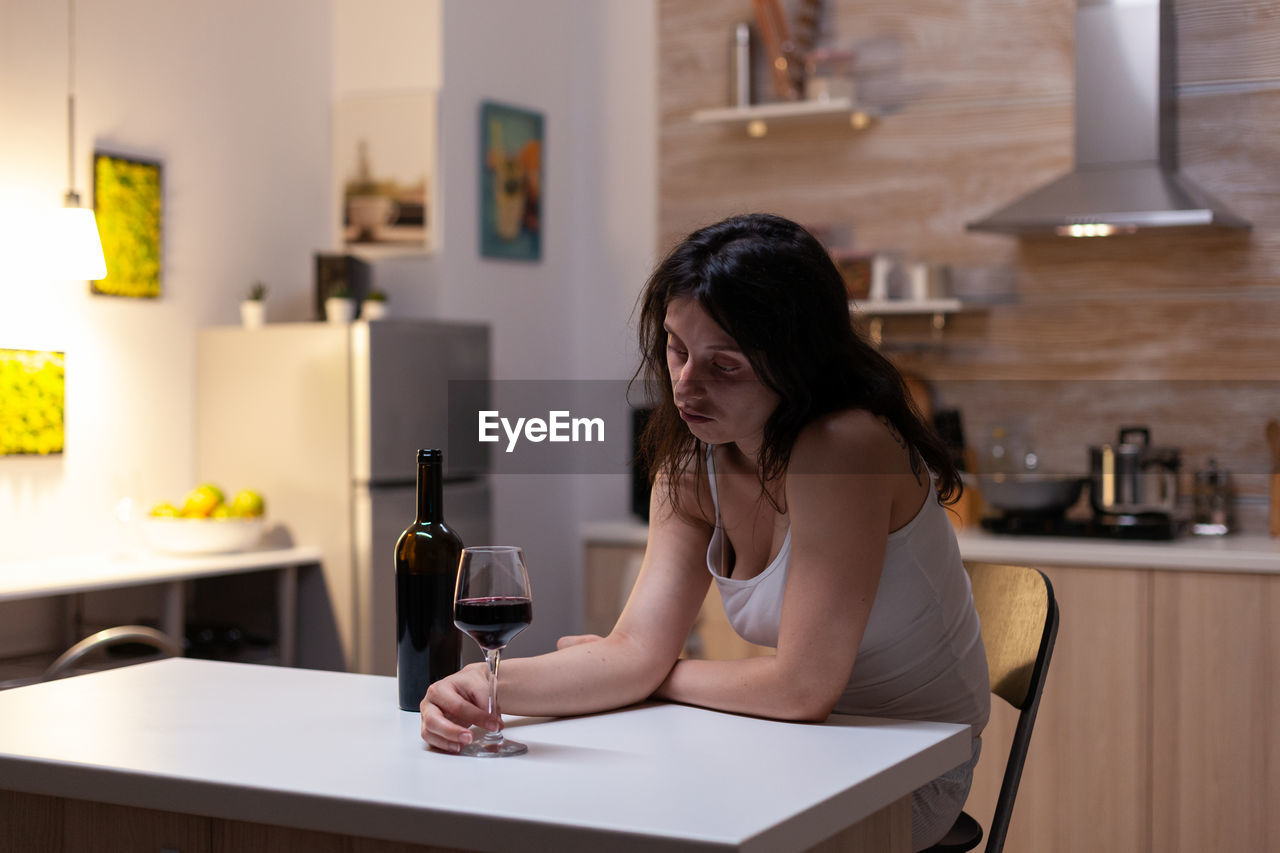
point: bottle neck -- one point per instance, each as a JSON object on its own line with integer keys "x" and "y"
{"x": 430, "y": 492}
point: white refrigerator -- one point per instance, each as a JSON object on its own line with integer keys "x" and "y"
{"x": 326, "y": 421}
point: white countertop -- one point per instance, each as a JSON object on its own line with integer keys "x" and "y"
{"x": 332, "y": 752}
{"x": 63, "y": 575}
{"x": 1236, "y": 552}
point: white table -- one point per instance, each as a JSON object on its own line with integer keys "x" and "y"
{"x": 68, "y": 575}
{"x": 332, "y": 752}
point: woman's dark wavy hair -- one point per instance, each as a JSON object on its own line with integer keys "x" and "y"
{"x": 774, "y": 289}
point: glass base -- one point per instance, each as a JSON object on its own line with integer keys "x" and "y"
{"x": 500, "y": 748}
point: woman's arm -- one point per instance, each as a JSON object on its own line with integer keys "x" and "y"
{"x": 840, "y": 521}
{"x": 621, "y": 669}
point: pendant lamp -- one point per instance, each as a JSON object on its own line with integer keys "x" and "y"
{"x": 76, "y": 248}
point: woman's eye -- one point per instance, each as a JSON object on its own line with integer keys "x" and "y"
{"x": 676, "y": 351}
{"x": 726, "y": 368}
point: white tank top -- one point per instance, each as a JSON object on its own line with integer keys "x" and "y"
{"x": 921, "y": 656}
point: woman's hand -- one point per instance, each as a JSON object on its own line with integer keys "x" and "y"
{"x": 454, "y": 704}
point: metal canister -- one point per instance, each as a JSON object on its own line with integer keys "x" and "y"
{"x": 1132, "y": 477}
{"x": 1213, "y": 500}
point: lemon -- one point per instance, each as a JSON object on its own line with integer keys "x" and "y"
{"x": 201, "y": 501}
{"x": 248, "y": 504}
{"x": 164, "y": 509}
{"x": 217, "y": 492}
{"x": 221, "y": 511}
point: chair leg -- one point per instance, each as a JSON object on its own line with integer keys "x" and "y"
{"x": 965, "y": 834}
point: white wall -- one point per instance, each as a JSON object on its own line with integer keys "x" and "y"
{"x": 589, "y": 66}
{"x": 235, "y": 97}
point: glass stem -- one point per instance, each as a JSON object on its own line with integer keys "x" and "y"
{"x": 491, "y": 657}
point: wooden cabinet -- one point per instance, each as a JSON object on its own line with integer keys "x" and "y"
{"x": 1215, "y": 712}
{"x": 1085, "y": 785}
{"x": 33, "y": 822}
{"x": 610, "y": 573}
{"x": 1158, "y": 729}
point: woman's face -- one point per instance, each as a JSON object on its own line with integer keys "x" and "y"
{"x": 716, "y": 389}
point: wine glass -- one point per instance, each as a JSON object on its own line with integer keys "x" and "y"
{"x": 491, "y": 604}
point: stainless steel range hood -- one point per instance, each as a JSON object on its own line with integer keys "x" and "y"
{"x": 1126, "y": 171}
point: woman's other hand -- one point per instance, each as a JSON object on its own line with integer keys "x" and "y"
{"x": 576, "y": 640}
{"x": 454, "y": 704}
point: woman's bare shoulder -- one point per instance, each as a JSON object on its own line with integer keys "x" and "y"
{"x": 692, "y": 492}
{"x": 850, "y": 441}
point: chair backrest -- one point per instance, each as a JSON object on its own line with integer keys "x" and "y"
{"x": 147, "y": 636}
{"x": 1019, "y": 625}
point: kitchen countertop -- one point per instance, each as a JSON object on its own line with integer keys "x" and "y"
{"x": 38, "y": 578}
{"x": 68, "y": 575}
{"x": 1236, "y": 552}
{"x": 332, "y": 752}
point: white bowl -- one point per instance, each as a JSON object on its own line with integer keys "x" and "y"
{"x": 201, "y": 535}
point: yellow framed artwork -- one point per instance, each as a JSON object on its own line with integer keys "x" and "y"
{"x": 128, "y": 202}
{"x": 32, "y": 400}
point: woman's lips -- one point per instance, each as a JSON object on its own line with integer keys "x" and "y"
{"x": 692, "y": 417}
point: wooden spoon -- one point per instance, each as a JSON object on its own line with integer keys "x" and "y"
{"x": 1273, "y": 439}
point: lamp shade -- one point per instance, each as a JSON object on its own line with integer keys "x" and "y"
{"x": 74, "y": 249}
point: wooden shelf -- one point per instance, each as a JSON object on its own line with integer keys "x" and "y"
{"x": 877, "y": 310}
{"x": 757, "y": 116}
{"x": 884, "y": 307}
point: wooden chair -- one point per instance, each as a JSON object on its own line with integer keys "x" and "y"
{"x": 1019, "y": 625}
{"x": 162, "y": 643}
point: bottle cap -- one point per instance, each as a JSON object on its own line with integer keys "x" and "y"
{"x": 432, "y": 455}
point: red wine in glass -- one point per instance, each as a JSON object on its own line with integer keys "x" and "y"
{"x": 492, "y": 603}
{"x": 493, "y": 621}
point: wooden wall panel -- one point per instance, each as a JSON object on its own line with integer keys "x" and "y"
{"x": 986, "y": 115}
{"x": 1227, "y": 40}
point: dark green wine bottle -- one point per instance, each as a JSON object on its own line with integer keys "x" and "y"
{"x": 428, "y": 645}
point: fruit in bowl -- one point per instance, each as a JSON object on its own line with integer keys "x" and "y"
{"x": 208, "y": 501}
{"x": 206, "y": 523}
{"x": 248, "y": 504}
{"x": 202, "y": 501}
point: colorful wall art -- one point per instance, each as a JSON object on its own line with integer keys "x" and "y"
{"x": 128, "y": 202}
{"x": 32, "y": 399}
{"x": 510, "y": 182}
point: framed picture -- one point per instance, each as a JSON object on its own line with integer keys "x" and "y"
{"x": 510, "y": 182}
{"x": 128, "y": 202}
{"x": 385, "y": 155}
{"x": 32, "y": 398}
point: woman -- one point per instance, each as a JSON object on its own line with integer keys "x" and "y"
{"x": 793, "y": 471}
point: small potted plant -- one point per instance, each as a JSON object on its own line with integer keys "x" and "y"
{"x": 374, "y": 306}
{"x": 253, "y": 310}
{"x": 339, "y": 308}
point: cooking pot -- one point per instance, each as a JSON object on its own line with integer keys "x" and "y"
{"x": 1132, "y": 477}
{"x": 1043, "y": 494}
